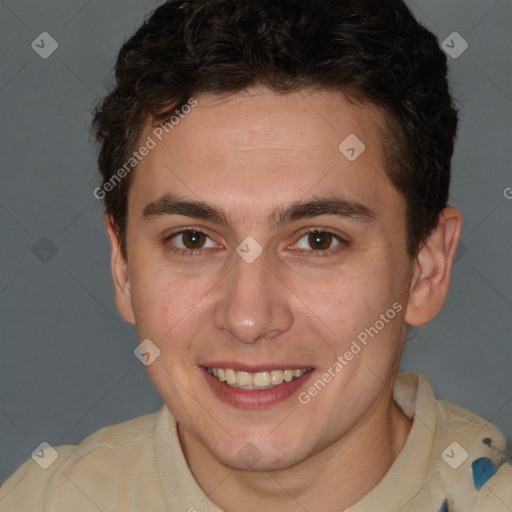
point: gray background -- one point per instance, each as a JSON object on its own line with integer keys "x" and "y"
{"x": 67, "y": 365}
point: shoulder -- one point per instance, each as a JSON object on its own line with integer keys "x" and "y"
{"x": 496, "y": 494}
{"x": 94, "y": 464}
{"x": 472, "y": 461}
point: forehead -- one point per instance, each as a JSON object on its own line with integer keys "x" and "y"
{"x": 258, "y": 147}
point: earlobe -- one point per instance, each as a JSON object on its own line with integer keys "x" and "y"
{"x": 120, "y": 274}
{"x": 432, "y": 269}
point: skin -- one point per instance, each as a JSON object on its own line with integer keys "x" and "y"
{"x": 248, "y": 154}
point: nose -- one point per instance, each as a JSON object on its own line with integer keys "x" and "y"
{"x": 253, "y": 304}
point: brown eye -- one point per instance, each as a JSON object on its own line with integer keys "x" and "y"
{"x": 316, "y": 241}
{"x": 193, "y": 239}
{"x": 320, "y": 240}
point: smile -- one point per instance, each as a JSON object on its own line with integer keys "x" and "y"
{"x": 259, "y": 380}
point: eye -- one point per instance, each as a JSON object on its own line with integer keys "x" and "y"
{"x": 191, "y": 239}
{"x": 318, "y": 240}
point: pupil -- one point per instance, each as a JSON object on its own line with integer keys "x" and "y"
{"x": 320, "y": 240}
{"x": 192, "y": 239}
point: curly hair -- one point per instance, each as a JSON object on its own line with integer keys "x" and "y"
{"x": 372, "y": 50}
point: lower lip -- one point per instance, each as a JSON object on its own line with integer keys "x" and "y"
{"x": 254, "y": 398}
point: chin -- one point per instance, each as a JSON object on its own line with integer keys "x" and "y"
{"x": 260, "y": 456}
{"x": 259, "y": 462}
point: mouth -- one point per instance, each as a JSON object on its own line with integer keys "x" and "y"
{"x": 256, "y": 389}
{"x": 258, "y": 380}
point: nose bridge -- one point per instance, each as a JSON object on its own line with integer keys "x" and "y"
{"x": 252, "y": 306}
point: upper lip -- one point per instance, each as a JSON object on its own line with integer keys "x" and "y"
{"x": 255, "y": 368}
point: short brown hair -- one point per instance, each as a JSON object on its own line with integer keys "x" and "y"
{"x": 372, "y": 50}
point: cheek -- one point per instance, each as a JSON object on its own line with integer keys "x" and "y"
{"x": 158, "y": 301}
{"x": 351, "y": 301}
{"x": 168, "y": 306}
{"x": 350, "y": 293}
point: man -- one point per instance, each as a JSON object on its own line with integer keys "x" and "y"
{"x": 275, "y": 177}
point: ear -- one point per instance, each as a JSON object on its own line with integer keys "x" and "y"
{"x": 432, "y": 269}
{"x": 119, "y": 268}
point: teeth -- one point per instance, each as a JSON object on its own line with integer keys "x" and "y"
{"x": 244, "y": 379}
{"x": 276, "y": 377}
{"x": 230, "y": 376}
{"x": 259, "y": 380}
{"x": 288, "y": 375}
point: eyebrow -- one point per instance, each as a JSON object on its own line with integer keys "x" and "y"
{"x": 336, "y": 206}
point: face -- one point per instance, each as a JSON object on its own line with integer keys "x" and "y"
{"x": 254, "y": 246}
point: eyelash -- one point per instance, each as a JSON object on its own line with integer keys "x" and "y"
{"x": 316, "y": 253}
